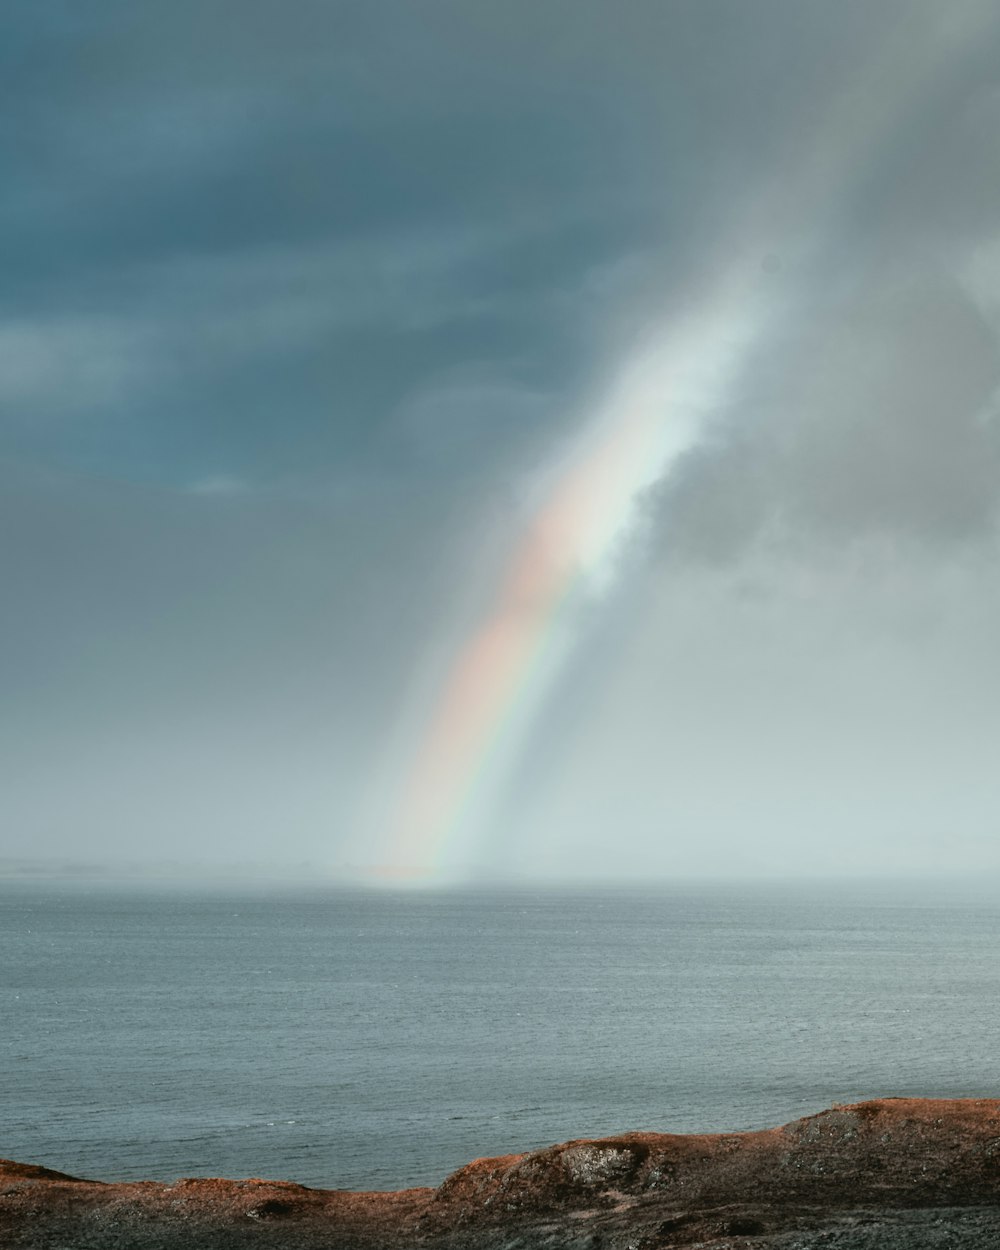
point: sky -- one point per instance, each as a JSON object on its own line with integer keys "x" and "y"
{"x": 465, "y": 441}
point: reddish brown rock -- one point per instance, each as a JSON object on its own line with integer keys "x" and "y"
{"x": 913, "y": 1173}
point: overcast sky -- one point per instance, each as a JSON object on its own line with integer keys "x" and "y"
{"x": 307, "y": 307}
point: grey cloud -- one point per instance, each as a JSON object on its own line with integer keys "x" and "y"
{"x": 435, "y": 429}
{"x": 239, "y": 197}
{"x": 214, "y": 126}
{"x": 940, "y": 189}
{"x": 872, "y": 418}
{"x": 294, "y": 355}
{"x": 62, "y": 365}
{"x": 871, "y": 414}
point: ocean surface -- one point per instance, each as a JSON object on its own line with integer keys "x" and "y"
{"x": 380, "y": 1040}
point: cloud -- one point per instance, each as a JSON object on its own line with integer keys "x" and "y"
{"x": 872, "y": 418}
{"x": 56, "y": 365}
{"x": 468, "y": 419}
{"x": 276, "y": 360}
{"x": 218, "y": 484}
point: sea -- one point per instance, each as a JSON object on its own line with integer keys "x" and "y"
{"x": 376, "y": 1040}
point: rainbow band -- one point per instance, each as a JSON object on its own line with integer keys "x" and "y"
{"x": 567, "y": 550}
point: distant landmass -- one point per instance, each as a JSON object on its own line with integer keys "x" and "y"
{"x": 891, "y": 1174}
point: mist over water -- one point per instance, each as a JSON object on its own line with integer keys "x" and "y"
{"x": 379, "y": 1040}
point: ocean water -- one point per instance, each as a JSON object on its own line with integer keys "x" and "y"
{"x": 378, "y": 1040}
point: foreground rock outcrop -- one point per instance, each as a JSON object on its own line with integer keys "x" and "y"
{"x": 912, "y": 1174}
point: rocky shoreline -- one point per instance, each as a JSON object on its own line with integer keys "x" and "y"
{"x": 897, "y": 1174}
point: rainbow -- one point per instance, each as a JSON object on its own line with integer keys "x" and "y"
{"x": 567, "y": 552}
{"x": 657, "y": 410}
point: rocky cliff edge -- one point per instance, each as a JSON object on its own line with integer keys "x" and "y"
{"x": 906, "y": 1173}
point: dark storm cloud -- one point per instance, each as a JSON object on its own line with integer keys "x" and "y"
{"x": 235, "y": 236}
{"x": 219, "y": 126}
{"x": 265, "y": 365}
